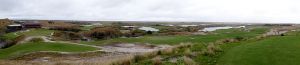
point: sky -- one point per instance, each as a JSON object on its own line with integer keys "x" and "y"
{"x": 258, "y": 11}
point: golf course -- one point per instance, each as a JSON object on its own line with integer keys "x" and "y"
{"x": 277, "y": 50}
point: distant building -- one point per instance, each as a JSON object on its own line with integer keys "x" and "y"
{"x": 149, "y": 29}
{"x": 129, "y": 26}
{"x": 32, "y": 25}
{"x": 169, "y": 25}
{"x": 188, "y": 25}
{"x": 14, "y": 27}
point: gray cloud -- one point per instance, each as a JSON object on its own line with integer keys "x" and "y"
{"x": 154, "y": 10}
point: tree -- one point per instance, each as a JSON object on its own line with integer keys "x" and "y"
{"x": 3, "y": 24}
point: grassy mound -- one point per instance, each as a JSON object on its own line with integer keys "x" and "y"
{"x": 32, "y": 32}
{"x": 281, "y": 50}
{"x": 41, "y": 46}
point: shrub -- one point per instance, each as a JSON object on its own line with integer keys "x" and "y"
{"x": 239, "y": 38}
{"x": 149, "y": 32}
{"x": 104, "y": 33}
{"x": 64, "y": 35}
{"x": 212, "y": 49}
{"x": 136, "y": 33}
{"x": 282, "y": 35}
{"x": 36, "y": 40}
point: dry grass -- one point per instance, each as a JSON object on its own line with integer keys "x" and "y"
{"x": 146, "y": 55}
{"x": 157, "y": 60}
{"x": 211, "y": 49}
{"x": 167, "y": 51}
{"x": 188, "y": 61}
{"x": 187, "y": 51}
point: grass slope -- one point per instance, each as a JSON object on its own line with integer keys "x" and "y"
{"x": 32, "y": 32}
{"x": 273, "y": 51}
{"x": 41, "y": 46}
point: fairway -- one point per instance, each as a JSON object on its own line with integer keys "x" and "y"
{"x": 41, "y": 46}
{"x": 278, "y": 50}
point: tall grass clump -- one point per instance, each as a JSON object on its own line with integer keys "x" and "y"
{"x": 143, "y": 56}
{"x": 126, "y": 60}
{"x": 157, "y": 60}
{"x": 166, "y": 51}
{"x": 211, "y": 49}
{"x": 36, "y": 40}
{"x": 188, "y": 61}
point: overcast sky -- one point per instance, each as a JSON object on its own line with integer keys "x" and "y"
{"x": 155, "y": 10}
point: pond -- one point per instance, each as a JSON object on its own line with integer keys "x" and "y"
{"x": 210, "y": 29}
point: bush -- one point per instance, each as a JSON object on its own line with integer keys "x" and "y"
{"x": 211, "y": 49}
{"x": 36, "y": 40}
{"x": 239, "y": 38}
{"x": 149, "y": 32}
{"x": 63, "y": 35}
{"x": 136, "y": 33}
{"x": 104, "y": 33}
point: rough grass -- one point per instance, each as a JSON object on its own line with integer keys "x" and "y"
{"x": 41, "y": 46}
{"x": 280, "y": 50}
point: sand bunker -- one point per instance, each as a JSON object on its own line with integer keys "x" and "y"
{"x": 133, "y": 48}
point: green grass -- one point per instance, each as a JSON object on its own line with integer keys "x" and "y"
{"x": 41, "y": 46}
{"x": 9, "y": 36}
{"x": 37, "y": 32}
{"x": 279, "y": 50}
{"x": 86, "y": 28}
{"x": 221, "y": 34}
{"x": 32, "y": 32}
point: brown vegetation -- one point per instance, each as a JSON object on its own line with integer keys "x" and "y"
{"x": 3, "y": 24}
{"x": 188, "y": 61}
{"x": 157, "y": 60}
{"x": 36, "y": 40}
{"x": 104, "y": 33}
{"x": 62, "y": 35}
{"x": 63, "y": 26}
